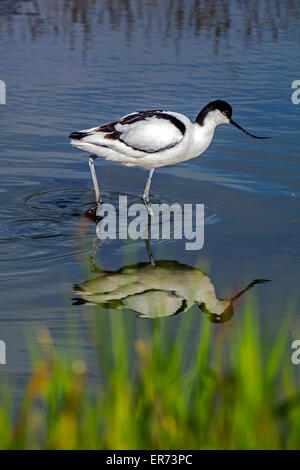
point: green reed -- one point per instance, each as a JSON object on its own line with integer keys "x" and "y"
{"x": 200, "y": 387}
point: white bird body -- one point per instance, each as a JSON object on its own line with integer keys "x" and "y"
{"x": 154, "y": 138}
{"x": 149, "y": 143}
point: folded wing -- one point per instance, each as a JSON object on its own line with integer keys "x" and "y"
{"x": 147, "y": 131}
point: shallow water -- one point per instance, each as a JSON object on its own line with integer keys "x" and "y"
{"x": 70, "y": 65}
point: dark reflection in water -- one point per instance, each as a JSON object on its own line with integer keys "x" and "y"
{"x": 155, "y": 290}
{"x": 242, "y": 20}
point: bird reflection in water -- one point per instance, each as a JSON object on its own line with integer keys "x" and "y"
{"x": 157, "y": 289}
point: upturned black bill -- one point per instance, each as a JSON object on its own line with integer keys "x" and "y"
{"x": 246, "y": 132}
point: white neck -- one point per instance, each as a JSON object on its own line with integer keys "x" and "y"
{"x": 201, "y": 138}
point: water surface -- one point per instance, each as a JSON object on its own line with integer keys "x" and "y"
{"x": 70, "y": 65}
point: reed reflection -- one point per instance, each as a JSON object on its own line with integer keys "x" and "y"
{"x": 244, "y": 20}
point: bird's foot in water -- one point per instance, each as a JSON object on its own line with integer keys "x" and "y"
{"x": 91, "y": 213}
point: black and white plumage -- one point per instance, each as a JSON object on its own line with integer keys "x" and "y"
{"x": 154, "y": 138}
{"x": 138, "y": 139}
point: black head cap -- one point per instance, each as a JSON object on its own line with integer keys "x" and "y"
{"x": 222, "y": 106}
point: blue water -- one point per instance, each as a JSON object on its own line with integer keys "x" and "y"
{"x": 71, "y": 65}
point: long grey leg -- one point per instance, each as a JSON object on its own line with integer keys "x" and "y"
{"x": 95, "y": 181}
{"x": 146, "y": 193}
{"x": 149, "y": 250}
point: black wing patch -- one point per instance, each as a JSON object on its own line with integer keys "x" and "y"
{"x": 109, "y": 127}
{"x": 140, "y": 116}
{"x": 158, "y": 113}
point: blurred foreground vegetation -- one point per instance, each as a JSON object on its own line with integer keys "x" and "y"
{"x": 163, "y": 391}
